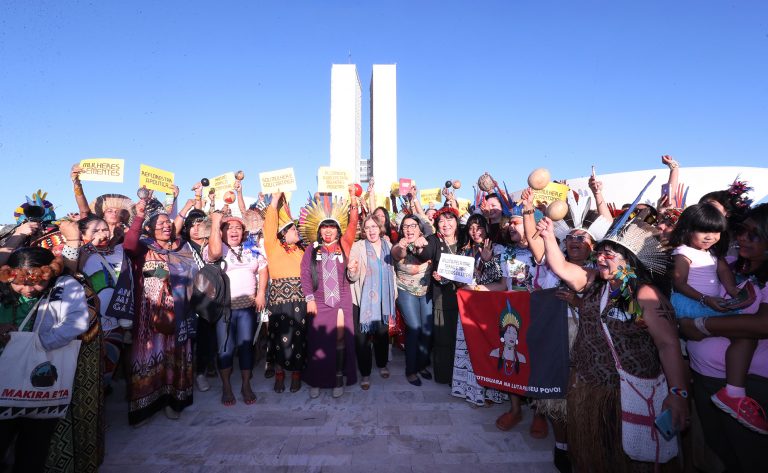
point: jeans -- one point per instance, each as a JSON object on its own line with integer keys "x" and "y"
{"x": 417, "y": 314}
{"x": 237, "y": 334}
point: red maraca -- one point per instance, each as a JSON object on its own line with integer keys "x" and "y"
{"x": 358, "y": 190}
{"x": 229, "y": 197}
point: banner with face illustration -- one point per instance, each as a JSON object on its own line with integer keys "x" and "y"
{"x": 517, "y": 341}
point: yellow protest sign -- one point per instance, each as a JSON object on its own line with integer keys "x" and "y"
{"x": 551, "y": 193}
{"x": 102, "y": 169}
{"x": 463, "y": 205}
{"x": 431, "y": 195}
{"x": 281, "y": 180}
{"x": 382, "y": 200}
{"x": 332, "y": 179}
{"x": 156, "y": 179}
{"x": 223, "y": 183}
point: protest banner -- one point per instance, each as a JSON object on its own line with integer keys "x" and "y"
{"x": 463, "y": 205}
{"x": 156, "y": 179}
{"x": 281, "y": 180}
{"x": 431, "y": 195}
{"x": 405, "y": 186}
{"x": 102, "y": 169}
{"x": 333, "y": 179}
{"x": 457, "y": 268}
{"x": 551, "y": 193}
{"x": 517, "y": 341}
{"x": 223, "y": 183}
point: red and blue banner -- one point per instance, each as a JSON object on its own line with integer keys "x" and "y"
{"x": 517, "y": 341}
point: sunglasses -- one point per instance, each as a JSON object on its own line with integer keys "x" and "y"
{"x": 576, "y": 238}
{"x": 608, "y": 255}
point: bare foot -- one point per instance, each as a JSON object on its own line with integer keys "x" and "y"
{"x": 249, "y": 397}
{"x": 228, "y": 399}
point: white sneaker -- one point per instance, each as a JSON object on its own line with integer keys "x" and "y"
{"x": 338, "y": 391}
{"x": 314, "y": 393}
{"x": 202, "y": 383}
{"x": 171, "y": 414}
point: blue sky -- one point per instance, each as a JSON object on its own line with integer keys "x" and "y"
{"x": 202, "y": 88}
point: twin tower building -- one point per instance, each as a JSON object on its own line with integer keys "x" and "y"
{"x": 346, "y": 124}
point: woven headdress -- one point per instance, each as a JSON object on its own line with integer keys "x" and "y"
{"x": 322, "y": 210}
{"x": 578, "y": 210}
{"x": 110, "y": 201}
{"x": 154, "y": 208}
{"x": 642, "y": 240}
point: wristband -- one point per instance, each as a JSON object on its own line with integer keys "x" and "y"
{"x": 703, "y": 300}
{"x": 678, "y": 392}
{"x": 673, "y": 164}
{"x": 529, "y": 212}
{"x": 700, "y": 324}
{"x": 310, "y": 298}
{"x": 70, "y": 253}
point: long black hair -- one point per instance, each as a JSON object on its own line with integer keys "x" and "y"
{"x": 387, "y": 222}
{"x": 481, "y": 221}
{"x": 316, "y": 249}
{"x": 701, "y": 218}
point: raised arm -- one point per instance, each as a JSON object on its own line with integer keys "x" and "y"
{"x": 214, "y": 241}
{"x": 573, "y": 275}
{"x": 597, "y": 191}
{"x": 82, "y": 202}
{"x": 240, "y": 199}
{"x": 131, "y": 243}
{"x": 536, "y": 245}
{"x": 674, "y": 172}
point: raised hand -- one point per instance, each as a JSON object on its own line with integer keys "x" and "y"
{"x": 486, "y": 251}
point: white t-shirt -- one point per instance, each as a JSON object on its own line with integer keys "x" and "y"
{"x": 242, "y": 267}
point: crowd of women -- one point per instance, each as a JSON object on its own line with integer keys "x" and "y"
{"x": 653, "y": 289}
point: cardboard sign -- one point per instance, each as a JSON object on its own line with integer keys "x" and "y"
{"x": 431, "y": 195}
{"x": 332, "y": 179}
{"x": 551, "y": 193}
{"x": 223, "y": 183}
{"x": 102, "y": 169}
{"x": 282, "y": 180}
{"x": 156, "y": 179}
{"x": 463, "y": 205}
{"x": 457, "y": 268}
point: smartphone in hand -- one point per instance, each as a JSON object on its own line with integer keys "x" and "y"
{"x": 665, "y": 426}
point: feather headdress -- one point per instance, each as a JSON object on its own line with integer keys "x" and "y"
{"x": 110, "y": 201}
{"x": 578, "y": 210}
{"x": 322, "y": 210}
{"x": 37, "y": 200}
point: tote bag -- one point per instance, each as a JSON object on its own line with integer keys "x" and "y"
{"x": 36, "y": 383}
{"x": 641, "y": 400}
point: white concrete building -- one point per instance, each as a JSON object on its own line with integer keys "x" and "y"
{"x": 346, "y": 123}
{"x": 384, "y": 125}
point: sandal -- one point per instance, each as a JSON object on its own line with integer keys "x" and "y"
{"x": 384, "y": 372}
{"x": 425, "y": 374}
{"x": 279, "y": 382}
{"x": 269, "y": 371}
{"x": 295, "y": 381}
{"x": 365, "y": 383}
{"x": 508, "y": 420}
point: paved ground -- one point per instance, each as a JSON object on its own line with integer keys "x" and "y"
{"x": 393, "y": 427}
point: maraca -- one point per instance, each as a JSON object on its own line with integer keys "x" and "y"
{"x": 205, "y": 182}
{"x": 239, "y": 175}
{"x": 557, "y": 210}
{"x": 143, "y": 193}
{"x": 229, "y": 197}
{"x": 486, "y": 183}
{"x": 539, "y": 178}
{"x": 457, "y": 184}
{"x": 358, "y": 190}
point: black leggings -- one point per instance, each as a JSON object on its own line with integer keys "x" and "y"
{"x": 33, "y": 437}
{"x": 379, "y": 338}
